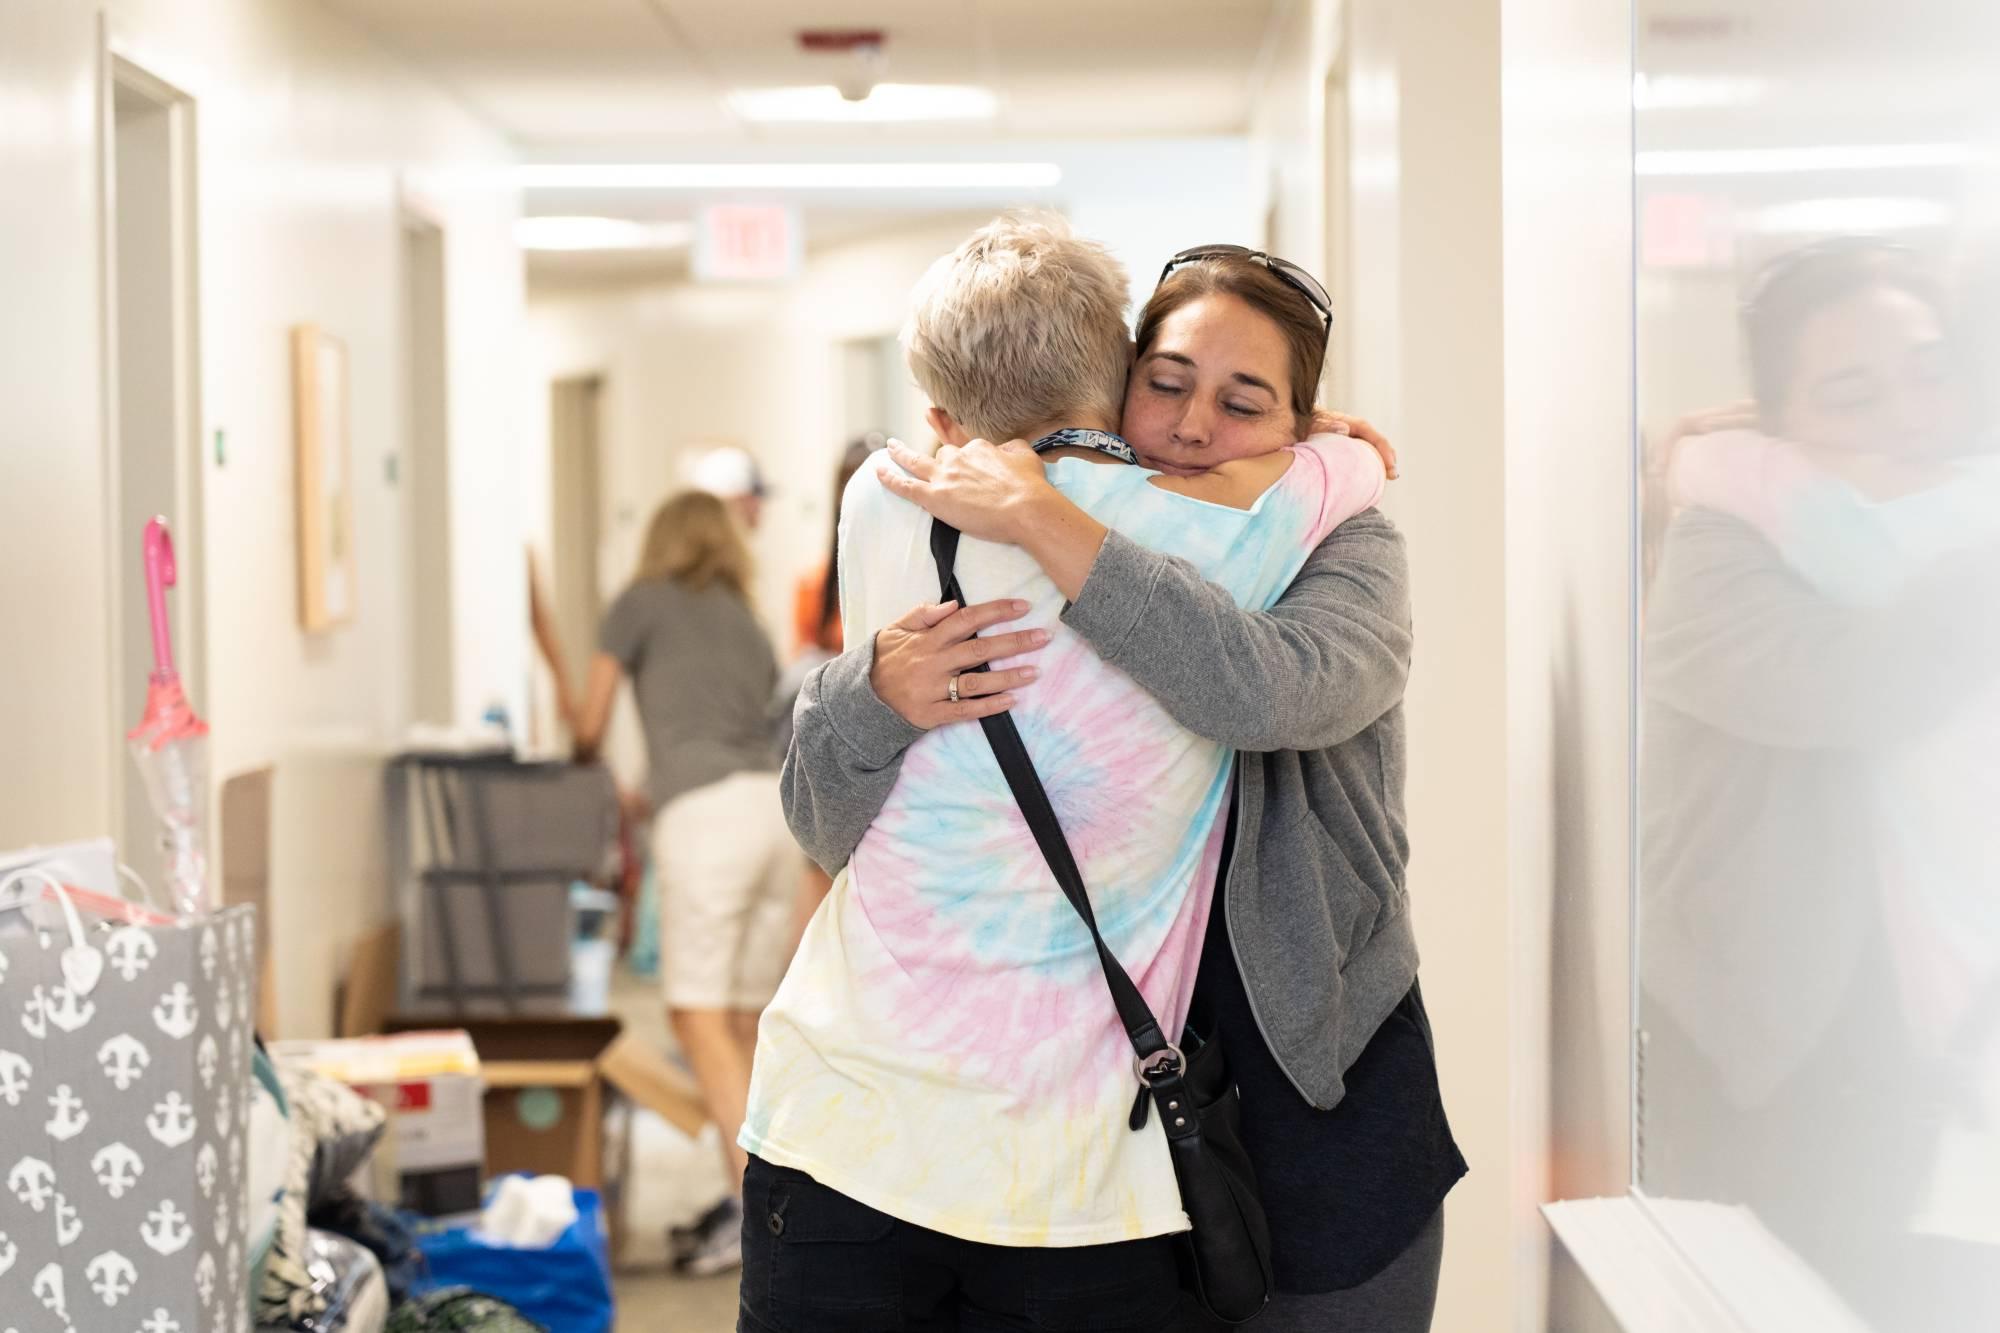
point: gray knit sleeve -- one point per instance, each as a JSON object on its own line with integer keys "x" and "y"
{"x": 1316, "y": 669}
{"x": 846, "y": 752}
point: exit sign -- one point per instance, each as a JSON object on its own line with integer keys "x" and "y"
{"x": 747, "y": 243}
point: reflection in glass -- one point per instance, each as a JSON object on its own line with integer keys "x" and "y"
{"x": 1819, "y": 896}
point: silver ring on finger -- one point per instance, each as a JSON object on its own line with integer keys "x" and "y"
{"x": 952, "y": 689}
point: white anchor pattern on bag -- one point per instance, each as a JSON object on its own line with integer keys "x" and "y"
{"x": 111, "y": 1276}
{"x": 172, "y": 1122}
{"x": 177, "y": 1014}
{"x": 204, "y": 1169}
{"x": 68, "y": 1118}
{"x": 69, "y": 1223}
{"x": 15, "y": 1071}
{"x": 135, "y": 994}
{"x": 124, "y": 1060}
{"x": 204, "y": 1278}
{"x": 35, "y": 1014}
{"x": 32, "y": 1182}
{"x": 131, "y": 951}
{"x": 68, "y": 1010}
{"x": 117, "y": 1168}
{"x": 166, "y": 1231}
{"x": 48, "y": 1289}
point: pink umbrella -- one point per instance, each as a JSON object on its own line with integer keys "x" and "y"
{"x": 170, "y": 744}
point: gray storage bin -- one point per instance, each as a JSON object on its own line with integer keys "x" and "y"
{"x": 496, "y": 845}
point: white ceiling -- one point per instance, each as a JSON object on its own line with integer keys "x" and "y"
{"x": 562, "y": 77}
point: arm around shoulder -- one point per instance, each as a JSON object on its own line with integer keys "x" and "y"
{"x": 1317, "y": 668}
{"x": 846, "y": 753}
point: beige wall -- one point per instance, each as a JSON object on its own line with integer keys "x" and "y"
{"x": 1566, "y": 197}
{"x": 310, "y": 140}
{"x": 1488, "y": 313}
{"x": 56, "y": 733}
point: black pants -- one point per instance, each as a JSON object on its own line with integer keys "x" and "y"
{"x": 816, "y": 1261}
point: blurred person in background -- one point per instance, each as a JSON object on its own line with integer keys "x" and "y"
{"x": 816, "y": 632}
{"x": 702, "y": 672}
{"x": 732, "y": 475}
{"x": 1307, "y": 963}
{"x": 1819, "y": 846}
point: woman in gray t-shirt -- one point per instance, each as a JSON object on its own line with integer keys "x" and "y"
{"x": 703, "y": 672}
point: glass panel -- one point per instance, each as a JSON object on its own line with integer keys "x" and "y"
{"x": 1819, "y": 894}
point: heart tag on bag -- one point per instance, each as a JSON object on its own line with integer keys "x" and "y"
{"x": 82, "y": 965}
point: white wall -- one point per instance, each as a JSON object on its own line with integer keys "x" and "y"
{"x": 56, "y": 734}
{"x": 308, "y": 139}
{"x": 1427, "y": 328}
{"x": 1490, "y": 318}
{"x": 309, "y": 143}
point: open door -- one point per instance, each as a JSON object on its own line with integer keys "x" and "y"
{"x": 153, "y": 416}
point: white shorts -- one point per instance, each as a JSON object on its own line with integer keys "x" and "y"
{"x": 729, "y": 878}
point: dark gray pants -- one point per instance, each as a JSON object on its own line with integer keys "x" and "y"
{"x": 1399, "y": 1299}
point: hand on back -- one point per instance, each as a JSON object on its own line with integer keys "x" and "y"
{"x": 918, "y": 657}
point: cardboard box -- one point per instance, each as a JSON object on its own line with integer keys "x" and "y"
{"x": 549, "y": 1085}
{"x": 433, "y": 1154}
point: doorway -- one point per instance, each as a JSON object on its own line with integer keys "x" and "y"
{"x": 153, "y": 413}
{"x": 576, "y": 521}
{"x": 427, "y": 506}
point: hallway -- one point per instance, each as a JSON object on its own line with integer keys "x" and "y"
{"x": 406, "y": 319}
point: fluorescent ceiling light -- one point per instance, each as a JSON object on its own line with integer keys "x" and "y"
{"x": 790, "y": 176}
{"x": 885, "y": 102}
{"x": 581, "y": 233}
{"x": 1851, "y": 216}
{"x": 1679, "y": 92}
{"x": 1779, "y": 161}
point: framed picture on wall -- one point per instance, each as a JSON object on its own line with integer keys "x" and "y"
{"x": 325, "y": 479}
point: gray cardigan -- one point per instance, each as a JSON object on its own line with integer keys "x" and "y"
{"x": 1310, "y": 693}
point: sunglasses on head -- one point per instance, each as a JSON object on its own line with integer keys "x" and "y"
{"x": 1285, "y": 270}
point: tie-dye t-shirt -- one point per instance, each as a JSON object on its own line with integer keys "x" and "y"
{"x": 944, "y": 1049}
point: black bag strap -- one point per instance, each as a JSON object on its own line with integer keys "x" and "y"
{"x": 1158, "y": 1059}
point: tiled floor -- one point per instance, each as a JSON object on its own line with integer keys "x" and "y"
{"x": 673, "y": 1178}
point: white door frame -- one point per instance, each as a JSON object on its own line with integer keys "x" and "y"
{"x": 117, "y": 71}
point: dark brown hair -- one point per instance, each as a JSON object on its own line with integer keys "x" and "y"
{"x": 1789, "y": 290}
{"x": 852, "y": 460}
{"x": 1302, "y": 325}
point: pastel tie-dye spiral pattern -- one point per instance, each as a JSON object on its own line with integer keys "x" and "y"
{"x": 943, "y": 1048}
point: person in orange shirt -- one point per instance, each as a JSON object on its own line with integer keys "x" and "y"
{"x": 816, "y": 596}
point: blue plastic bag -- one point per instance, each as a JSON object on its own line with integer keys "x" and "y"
{"x": 566, "y": 1286}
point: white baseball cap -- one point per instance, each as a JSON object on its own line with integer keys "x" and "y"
{"x": 727, "y": 473}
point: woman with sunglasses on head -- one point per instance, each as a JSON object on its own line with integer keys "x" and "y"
{"x": 1308, "y": 971}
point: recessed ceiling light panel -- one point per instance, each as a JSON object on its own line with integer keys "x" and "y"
{"x": 886, "y": 103}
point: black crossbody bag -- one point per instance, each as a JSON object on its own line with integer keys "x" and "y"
{"x": 1229, "y": 1250}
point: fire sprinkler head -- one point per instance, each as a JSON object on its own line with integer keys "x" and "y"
{"x": 863, "y": 47}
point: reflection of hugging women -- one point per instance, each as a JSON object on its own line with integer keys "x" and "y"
{"x": 942, "y": 1124}
{"x": 1821, "y": 991}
